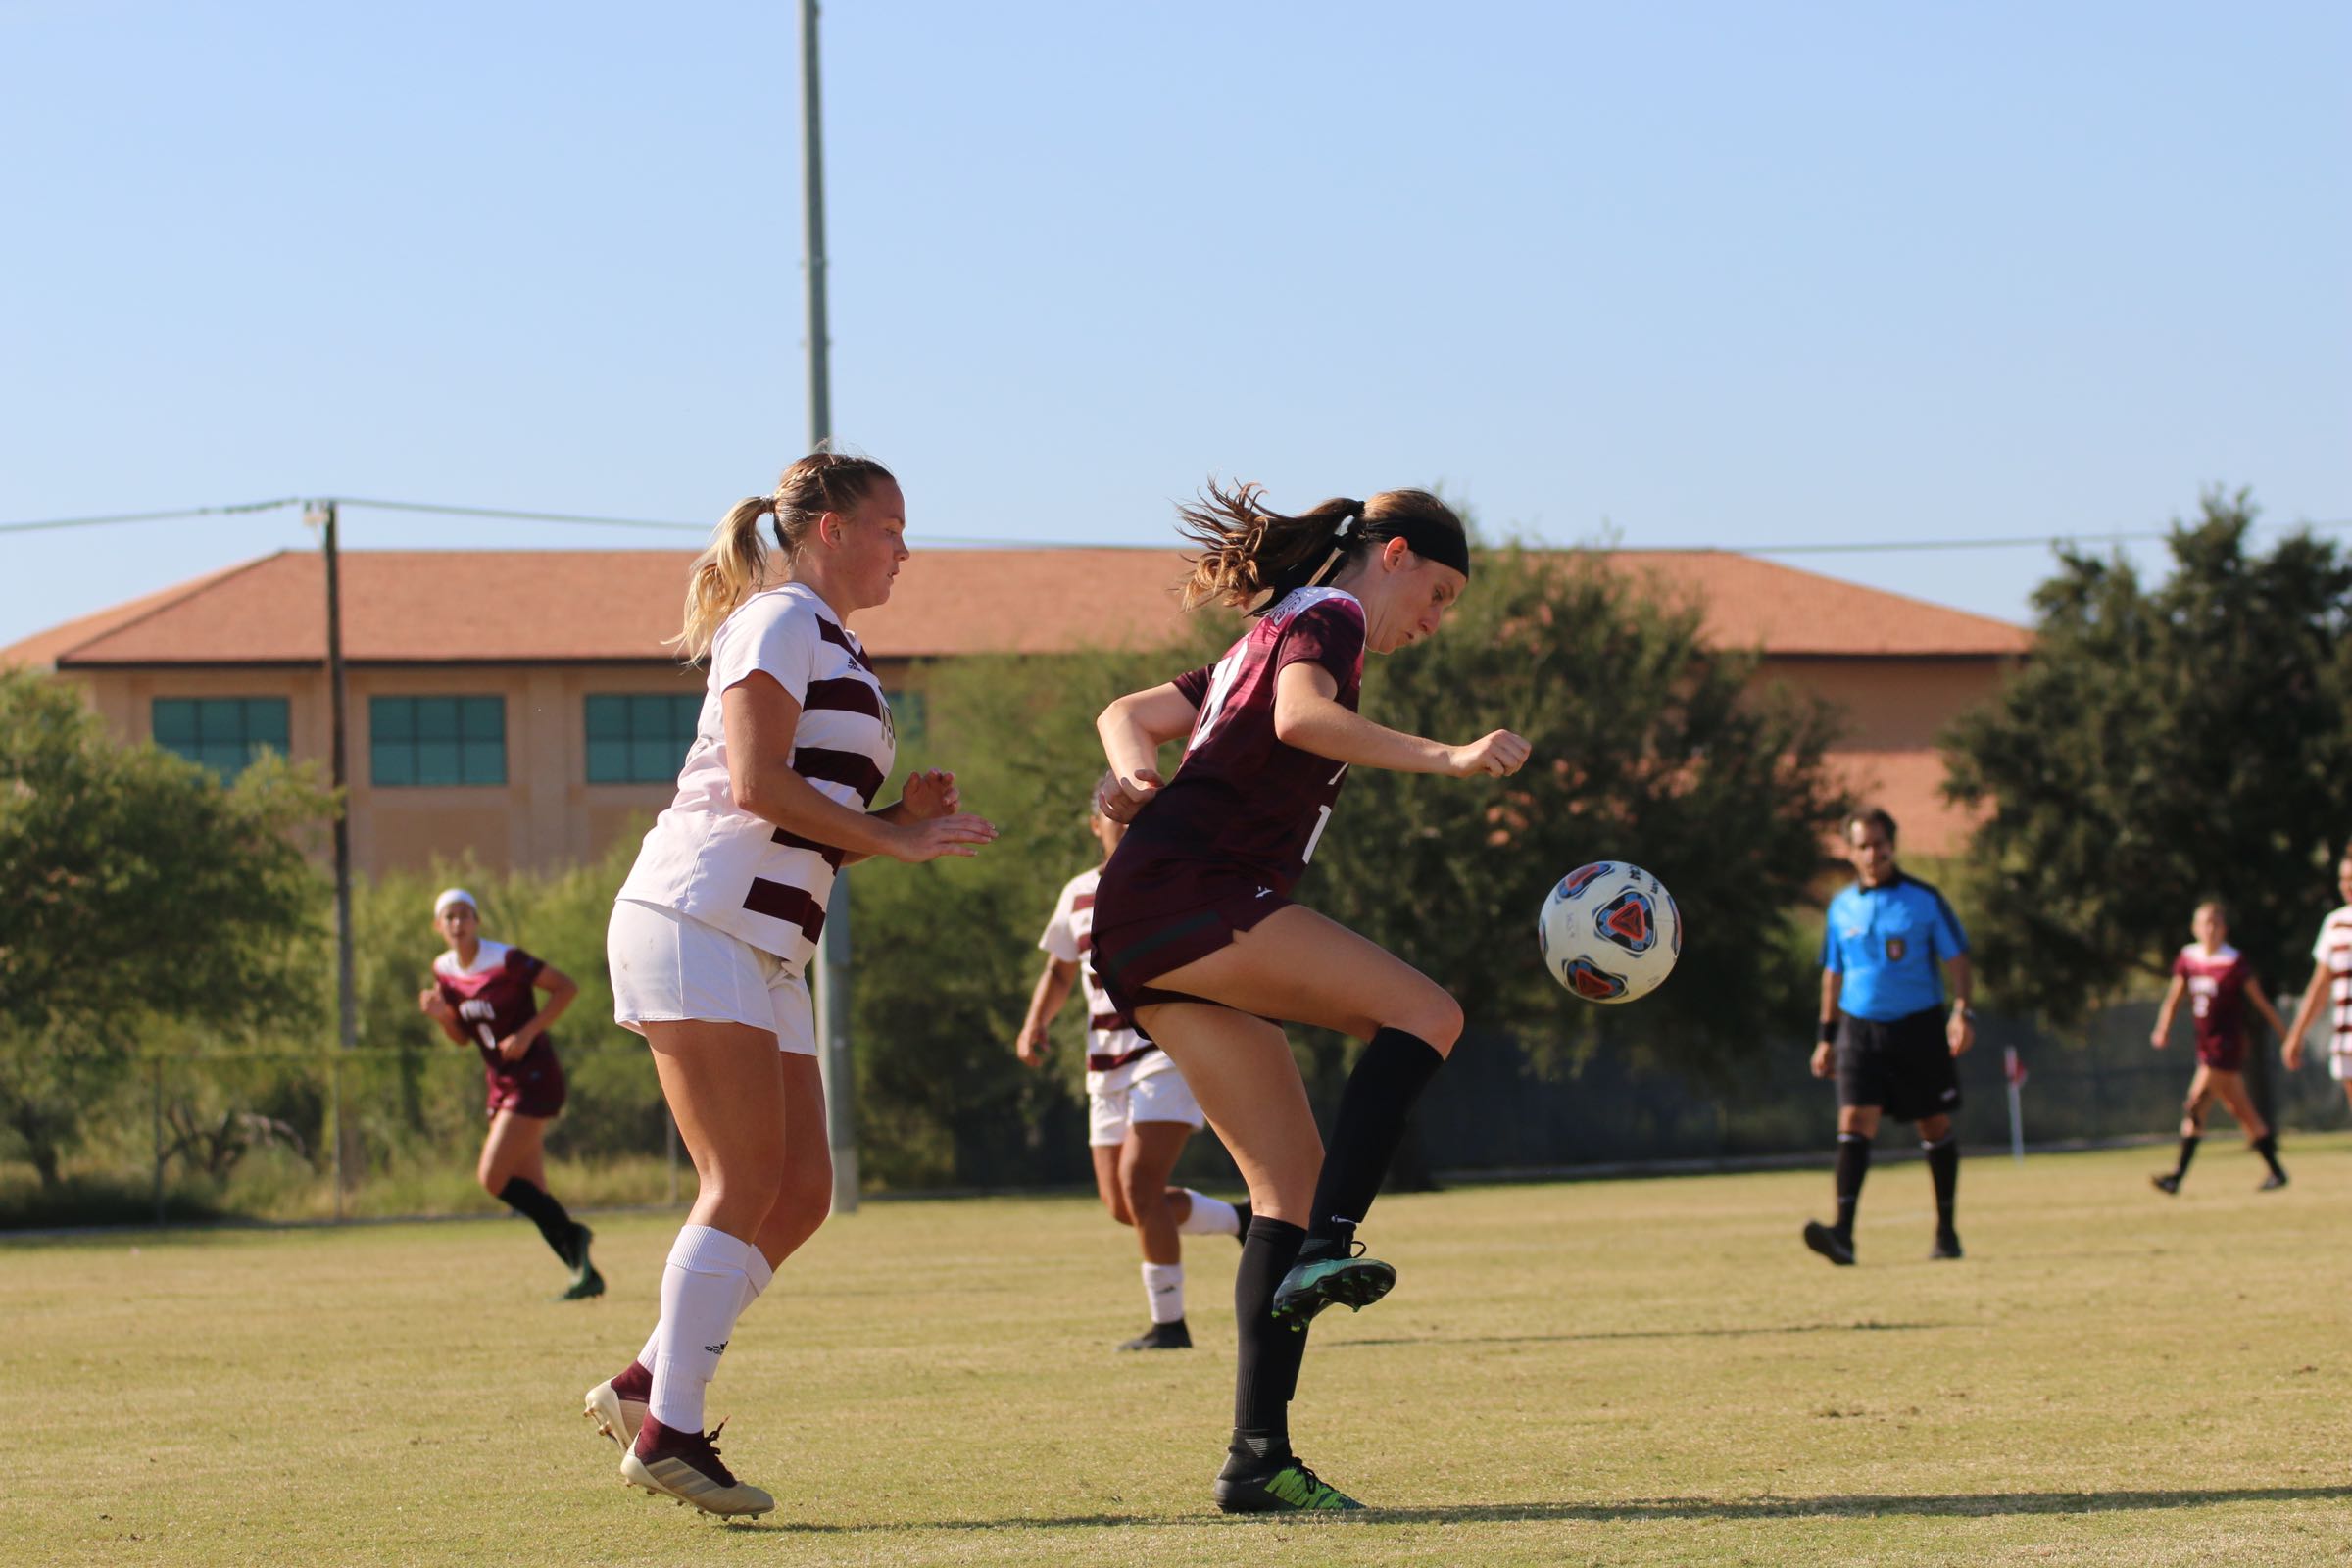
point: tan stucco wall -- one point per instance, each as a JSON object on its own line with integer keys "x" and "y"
{"x": 546, "y": 815}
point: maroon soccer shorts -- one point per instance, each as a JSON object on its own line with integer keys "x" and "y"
{"x": 1161, "y": 917}
{"x": 531, "y": 1088}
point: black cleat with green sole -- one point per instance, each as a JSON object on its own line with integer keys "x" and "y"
{"x": 1284, "y": 1485}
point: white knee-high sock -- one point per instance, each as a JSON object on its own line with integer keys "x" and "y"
{"x": 704, "y": 1288}
{"x": 1210, "y": 1216}
{"x": 1163, "y": 1292}
{"x": 757, "y": 1276}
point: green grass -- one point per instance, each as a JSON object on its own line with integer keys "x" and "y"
{"x": 1624, "y": 1372}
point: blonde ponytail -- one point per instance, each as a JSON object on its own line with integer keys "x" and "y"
{"x": 724, "y": 576}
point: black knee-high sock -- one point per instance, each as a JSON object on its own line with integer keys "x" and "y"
{"x": 2188, "y": 1152}
{"x": 1388, "y": 1077}
{"x": 1943, "y": 1168}
{"x": 1854, "y": 1164}
{"x": 2267, "y": 1146}
{"x": 1266, "y": 1373}
{"x": 539, "y": 1206}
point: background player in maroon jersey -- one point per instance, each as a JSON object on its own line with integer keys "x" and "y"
{"x": 482, "y": 995}
{"x": 2218, "y": 983}
{"x": 1195, "y": 935}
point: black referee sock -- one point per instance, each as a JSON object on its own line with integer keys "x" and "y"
{"x": 1388, "y": 1077}
{"x": 538, "y": 1206}
{"x": 2188, "y": 1152}
{"x": 1266, "y": 1373}
{"x": 1854, "y": 1164}
{"x": 2267, "y": 1146}
{"x": 1943, "y": 1168}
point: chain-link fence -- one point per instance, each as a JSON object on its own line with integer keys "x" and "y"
{"x": 337, "y": 1135}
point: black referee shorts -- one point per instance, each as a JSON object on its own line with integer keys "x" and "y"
{"x": 1904, "y": 1066}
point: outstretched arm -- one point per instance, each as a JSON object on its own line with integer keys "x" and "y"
{"x": 2164, "y": 1015}
{"x": 2304, "y": 1014}
{"x": 1308, "y": 714}
{"x": 1052, "y": 989}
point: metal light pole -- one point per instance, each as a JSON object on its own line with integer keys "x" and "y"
{"x": 831, "y": 992}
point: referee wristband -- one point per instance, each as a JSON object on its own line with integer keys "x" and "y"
{"x": 1829, "y": 1031}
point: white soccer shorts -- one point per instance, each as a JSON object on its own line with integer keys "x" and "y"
{"x": 667, "y": 967}
{"x": 1162, "y": 1095}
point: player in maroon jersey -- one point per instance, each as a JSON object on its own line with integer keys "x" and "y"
{"x": 2219, "y": 984}
{"x": 482, "y": 995}
{"x": 1195, "y": 935}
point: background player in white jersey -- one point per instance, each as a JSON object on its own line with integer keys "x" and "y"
{"x": 722, "y": 909}
{"x": 1140, "y": 1112}
{"x": 484, "y": 994}
{"x": 2331, "y": 986}
{"x": 1197, "y": 938}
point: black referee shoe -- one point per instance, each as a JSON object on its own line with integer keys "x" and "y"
{"x": 1947, "y": 1247}
{"x": 1838, "y": 1249}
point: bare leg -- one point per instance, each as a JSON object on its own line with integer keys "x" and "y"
{"x": 515, "y": 1147}
{"x": 1106, "y": 1182}
{"x": 1299, "y": 966}
{"x": 1241, "y": 1071}
{"x": 1144, "y": 1161}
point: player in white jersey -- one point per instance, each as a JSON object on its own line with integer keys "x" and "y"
{"x": 2331, "y": 986}
{"x": 1139, "y": 1110}
{"x": 723, "y": 908}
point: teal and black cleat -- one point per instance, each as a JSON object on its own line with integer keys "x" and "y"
{"x": 1326, "y": 1275}
{"x": 586, "y": 1282}
{"x": 1288, "y": 1487}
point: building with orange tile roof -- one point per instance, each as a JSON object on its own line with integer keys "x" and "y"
{"x": 522, "y": 702}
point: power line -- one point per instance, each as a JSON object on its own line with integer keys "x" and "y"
{"x": 671, "y": 526}
{"x": 150, "y": 516}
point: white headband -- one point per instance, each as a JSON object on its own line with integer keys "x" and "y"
{"x": 450, "y": 895}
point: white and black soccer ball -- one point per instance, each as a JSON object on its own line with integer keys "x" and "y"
{"x": 1610, "y": 932}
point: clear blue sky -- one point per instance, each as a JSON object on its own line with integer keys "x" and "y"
{"x": 1693, "y": 274}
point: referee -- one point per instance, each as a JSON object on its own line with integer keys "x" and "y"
{"x": 1883, "y": 1022}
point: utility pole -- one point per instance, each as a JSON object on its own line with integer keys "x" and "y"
{"x": 830, "y": 993}
{"x": 322, "y": 513}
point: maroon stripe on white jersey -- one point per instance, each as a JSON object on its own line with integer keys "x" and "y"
{"x": 779, "y": 901}
{"x": 855, "y": 770}
{"x": 847, "y": 695}
{"x": 833, "y": 853}
{"x": 841, "y": 640}
{"x": 1107, "y": 1064}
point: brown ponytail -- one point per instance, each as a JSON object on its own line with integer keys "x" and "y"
{"x": 1248, "y": 550}
{"x": 735, "y": 565}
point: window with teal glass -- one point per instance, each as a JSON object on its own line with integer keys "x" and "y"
{"x": 221, "y": 733}
{"x": 436, "y": 740}
{"x": 640, "y": 737}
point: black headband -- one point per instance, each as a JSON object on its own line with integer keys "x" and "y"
{"x": 1427, "y": 540}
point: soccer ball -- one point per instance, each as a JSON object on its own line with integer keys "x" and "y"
{"x": 1610, "y": 932}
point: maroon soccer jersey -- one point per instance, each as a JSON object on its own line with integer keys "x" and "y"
{"x": 492, "y": 1000}
{"x": 1245, "y": 804}
{"x": 2217, "y": 1003}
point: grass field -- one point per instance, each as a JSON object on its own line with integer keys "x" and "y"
{"x": 1621, "y": 1372}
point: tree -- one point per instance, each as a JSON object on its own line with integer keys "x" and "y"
{"x": 2162, "y": 745}
{"x": 139, "y": 890}
{"x": 1650, "y": 746}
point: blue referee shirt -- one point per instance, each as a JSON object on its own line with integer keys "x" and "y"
{"x": 1890, "y": 943}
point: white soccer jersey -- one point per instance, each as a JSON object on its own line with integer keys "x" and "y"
{"x": 722, "y": 865}
{"x": 2333, "y": 951}
{"x": 1117, "y": 1052}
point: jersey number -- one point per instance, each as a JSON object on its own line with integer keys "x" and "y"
{"x": 1221, "y": 681}
{"x": 1322, "y": 820}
